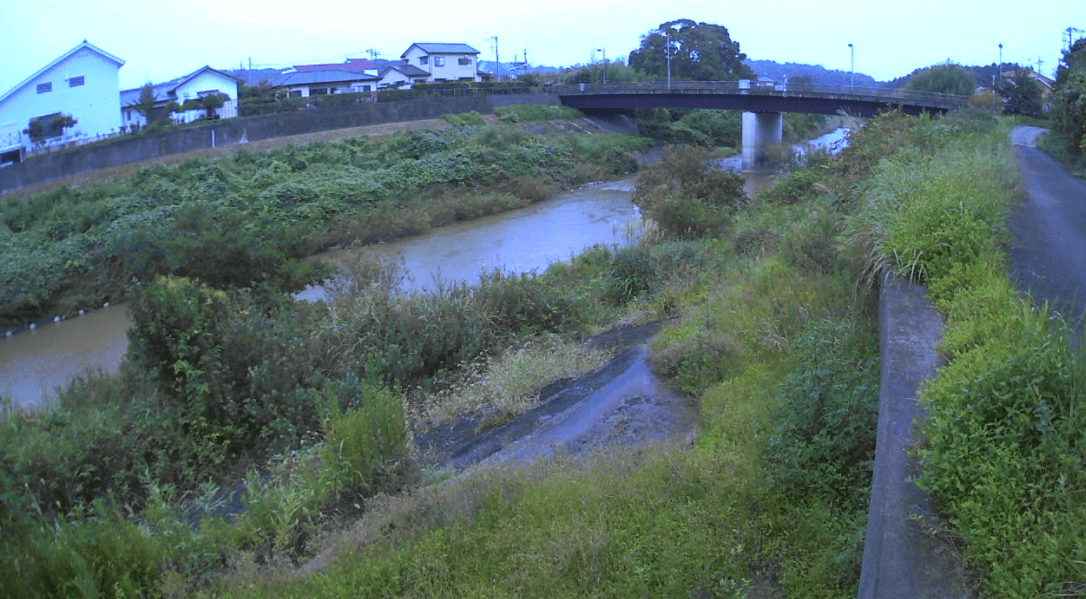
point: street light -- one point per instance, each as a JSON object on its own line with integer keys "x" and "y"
{"x": 852, "y": 60}
{"x": 1001, "y": 61}
{"x": 604, "y": 50}
{"x": 668, "y": 49}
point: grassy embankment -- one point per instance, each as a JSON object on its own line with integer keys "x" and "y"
{"x": 249, "y": 219}
{"x": 772, "y": 329}
{"x": 775, "y": 334}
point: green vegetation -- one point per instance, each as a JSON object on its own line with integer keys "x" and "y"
{"x": 698, "y": 52}
{"x": 1069, "y": 108}
{"x": 247, "y": 428}
{"x": 248, "y": 220}
{"x": 1002, "y": 453}
{"x": 942, "y": 78}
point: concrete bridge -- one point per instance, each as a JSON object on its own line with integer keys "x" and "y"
{"x": 762, "y": 103}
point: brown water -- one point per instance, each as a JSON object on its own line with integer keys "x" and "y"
{"x": 34, "y": 363}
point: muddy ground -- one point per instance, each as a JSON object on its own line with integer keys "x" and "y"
{"x": 622, "y": 405}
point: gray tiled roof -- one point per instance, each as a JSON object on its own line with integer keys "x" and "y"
{"x": 407, "y": 69}
{"x": 431, "y": 48}
{"x": 310, "y": 77}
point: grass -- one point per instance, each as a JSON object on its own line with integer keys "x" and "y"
{"x": 771, "y": 327}
{"x": 507, "y": 384}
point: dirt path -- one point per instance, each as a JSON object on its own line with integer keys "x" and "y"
{"x": 1048, "y": 255}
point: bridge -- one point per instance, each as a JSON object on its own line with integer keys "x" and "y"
{"x": 762, "y": 103}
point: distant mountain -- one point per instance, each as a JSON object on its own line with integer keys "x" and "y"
{"x": 816, "y": 73}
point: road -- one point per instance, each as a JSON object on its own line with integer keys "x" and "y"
{"x": 1048, "y": 254}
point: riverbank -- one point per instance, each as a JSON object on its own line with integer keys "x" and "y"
{"x": 250, "y": 218}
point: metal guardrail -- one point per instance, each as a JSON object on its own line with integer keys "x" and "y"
{"x": 757, "y": 88}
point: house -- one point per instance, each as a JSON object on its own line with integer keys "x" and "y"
{"x": 189, "y": 89}
{"x": 444, "y": 62}
{"x": 82, "y": 83}
{"x": 351, "y": 65}
{"x": 303, "y": 84}
{"x": 402, "y": 76}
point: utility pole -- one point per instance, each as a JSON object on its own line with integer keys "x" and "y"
{"x": 852, "y": 68}
{"x": 667, "y": 35}
{"x": 497, "y": 60}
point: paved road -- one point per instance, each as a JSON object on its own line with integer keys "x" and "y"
{"x": 1048, "y": 254}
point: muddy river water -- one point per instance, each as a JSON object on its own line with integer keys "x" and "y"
{"x": 34, "y": 363}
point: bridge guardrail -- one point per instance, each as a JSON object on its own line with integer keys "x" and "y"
{"x": 877, "y": 94}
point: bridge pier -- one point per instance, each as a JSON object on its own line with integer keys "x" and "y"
{"x": 760, "y": 131}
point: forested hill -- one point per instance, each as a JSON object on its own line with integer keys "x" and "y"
{"x": 817, "y": 73}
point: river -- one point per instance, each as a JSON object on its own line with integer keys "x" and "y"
{"x": 34, "y": 363}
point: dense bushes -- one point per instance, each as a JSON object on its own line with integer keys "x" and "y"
{"x": 687, "y": 195}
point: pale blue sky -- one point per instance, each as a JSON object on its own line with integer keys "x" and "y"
{"x": 160, "y": 40}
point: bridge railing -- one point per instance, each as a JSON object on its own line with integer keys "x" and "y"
{"x": 876, "y": 94}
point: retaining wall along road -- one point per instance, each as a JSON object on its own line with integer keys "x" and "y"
{"x": 137, "y": 148}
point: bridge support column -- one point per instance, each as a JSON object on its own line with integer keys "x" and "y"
{"x": 760, "y": 131}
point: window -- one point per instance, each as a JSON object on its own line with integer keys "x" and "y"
{"x": 44, "y": 88}
{"x": 439, "y": 61}
{"x": 423, "y": 59}
{"x": 75, "y": 81}
{"x": 318, "y": 91}
{"x": 207, "y": 93}
{"x": 294, "y": 93}
{"x": 464, "y": 60}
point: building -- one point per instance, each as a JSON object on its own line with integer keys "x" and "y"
{"x": 303, "y": 84}
{"x": 82, "y": 83}
{"x": 351, "y": 65}
{"x": 444, "y": 62}
{"x": 399, "y": 75}
{"x": 191, "y": 88}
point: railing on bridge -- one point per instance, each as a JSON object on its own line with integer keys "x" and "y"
{"x": 849, "y": 92}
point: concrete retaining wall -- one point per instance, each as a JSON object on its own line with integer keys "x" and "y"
{"x": 900, "y": 560}
{"x": 136, "y": 148}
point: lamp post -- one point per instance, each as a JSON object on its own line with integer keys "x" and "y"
{"x": 668, "y": 49}
{"x": 604, "y": 50}
{"x": 1001, "y": 61}
{"x": 852, "y": 62}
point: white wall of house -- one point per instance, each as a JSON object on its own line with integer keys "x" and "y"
{"x": 444, "y": 67}
{"x": 84, "y": 85}
{"x": 207, "y": 82}
{"x": 395, "y": 79}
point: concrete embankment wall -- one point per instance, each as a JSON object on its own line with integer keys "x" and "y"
{"x": 136, "y": 148}
{"x": 901, "y": 560}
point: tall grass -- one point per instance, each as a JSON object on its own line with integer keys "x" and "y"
{"x": 1002, "y": 452}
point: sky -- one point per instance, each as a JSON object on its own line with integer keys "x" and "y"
{"x": 160, "y": 40}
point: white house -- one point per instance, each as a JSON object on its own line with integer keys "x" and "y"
{"x": 444, "y": 62}
{"x": 402, "y": 76}
{"x": 81, "y": 83}
{"x": 198, "y": 84}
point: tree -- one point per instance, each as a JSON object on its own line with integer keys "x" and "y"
{"x": 1069, "y": 97}
{"x": 699, "y": 52}
{"x": 146, "y": 102}
{"x": 41, "y": 128}
{"x": 1021, "y": 95}
{"x": 943, "y": 79}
